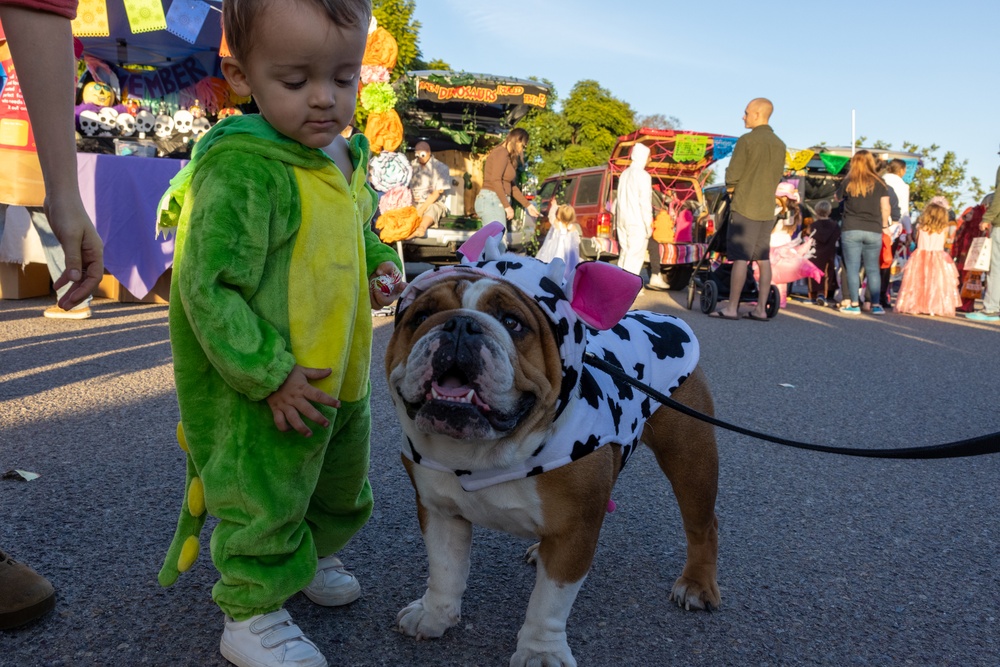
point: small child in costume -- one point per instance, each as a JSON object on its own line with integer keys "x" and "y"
{"x": 563, "y": 237}
{"x": 826, "y": 233}
{"x": 930, "y": 278}
{"x": 276, "y": 271}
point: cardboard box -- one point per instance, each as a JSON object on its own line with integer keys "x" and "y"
{"x": 110, "y": 288}
{"x": 31, "y": 281}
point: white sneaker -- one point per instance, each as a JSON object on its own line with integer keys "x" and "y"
{"x": 57, "y": 313}
{"x": 657, "y": 282}
{"x": 333, "y": 585}
{"x": 268, "y": 640}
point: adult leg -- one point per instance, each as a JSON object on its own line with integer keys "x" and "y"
{"x": 655, "y": 269}
{"x": 763, "y": 288}
{"x": 871, "y": 252}
{"x": 851, "y": 243}
{"x": 991, "y": 298}
{"x": 737, "y": 279}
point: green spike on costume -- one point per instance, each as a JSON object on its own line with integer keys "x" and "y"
{"x": 184, "y": 547}
{"x": 271, "y": 265}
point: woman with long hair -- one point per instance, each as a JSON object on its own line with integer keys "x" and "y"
{"x": 866, "y": 218}
{"x": 495, "y": 201}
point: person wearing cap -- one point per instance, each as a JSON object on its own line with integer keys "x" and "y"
{"x": 431, "y": 180}
{"x": 991, "y": 297}
{"x": 752, "y": 178}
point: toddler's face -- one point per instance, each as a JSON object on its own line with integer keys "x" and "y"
{"x": 303, "y": 71}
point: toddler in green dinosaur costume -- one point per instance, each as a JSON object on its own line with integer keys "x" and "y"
{"x": 270, "y": 325}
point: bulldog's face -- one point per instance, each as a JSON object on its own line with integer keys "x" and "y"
{"x": 473, "y": 359}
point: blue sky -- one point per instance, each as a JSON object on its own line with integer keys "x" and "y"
{"x": 921, "y": 72}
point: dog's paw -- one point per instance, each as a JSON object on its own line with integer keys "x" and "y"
{"x": 529, "y": 658}
{"x": 531, "y": 555}
{"x": 692, "y": 594}
{"x": 417, "y": 621}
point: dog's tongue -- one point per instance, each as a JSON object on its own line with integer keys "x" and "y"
{"x": 451, "y": 388}
{"x": 452, "y": 383}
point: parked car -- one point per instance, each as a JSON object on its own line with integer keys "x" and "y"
{"x": 591, "y": 192}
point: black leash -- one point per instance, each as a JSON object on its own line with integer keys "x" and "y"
{"x": 984, "y": 444}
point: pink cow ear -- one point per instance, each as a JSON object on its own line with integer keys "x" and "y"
{"x": 472, "y": 250}
{"x": 603, "y": 293}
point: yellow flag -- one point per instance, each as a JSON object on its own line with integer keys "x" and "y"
{"x": 145, "y": 15}
{"x": 798, "y": 159}
{"x": 91, "y": 19}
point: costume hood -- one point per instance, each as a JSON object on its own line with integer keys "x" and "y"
{"x": 596, "y": 294}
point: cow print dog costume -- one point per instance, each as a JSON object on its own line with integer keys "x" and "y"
{"x": 593, "y": 409}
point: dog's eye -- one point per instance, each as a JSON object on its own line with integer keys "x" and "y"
{"x": 510, "y": 322}
{"x": 419, "y": 319}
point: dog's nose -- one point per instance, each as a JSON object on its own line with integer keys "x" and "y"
{"x": 463, "y": 325}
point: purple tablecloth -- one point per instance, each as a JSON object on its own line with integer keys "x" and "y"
{"x": 121, "y": 194}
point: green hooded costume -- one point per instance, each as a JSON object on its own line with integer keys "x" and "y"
{"x": 271, "y": 267}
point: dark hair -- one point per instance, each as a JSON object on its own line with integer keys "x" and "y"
{"x": 239, "y": 19}
{"x": 897, "y": 166}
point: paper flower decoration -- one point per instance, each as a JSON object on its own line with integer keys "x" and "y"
{"x": 374, "y": 74}
{"x": 384, "y": 131}
{"x": 398, "y": 197}
{"x": 398, "y": 224}
{"x": 381, "y": 49}
{"x": 378, "y": 98}
{"x": 389, "y": 170}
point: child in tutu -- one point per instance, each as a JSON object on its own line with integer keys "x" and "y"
{"x": 563, "y": 238}
{"x": 930, "y": 279}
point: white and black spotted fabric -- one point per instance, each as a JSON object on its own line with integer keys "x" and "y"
{"x": 593, "y": 410}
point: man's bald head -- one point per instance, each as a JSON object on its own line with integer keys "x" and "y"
{"x": 758, "y": 112}
{"x": 423, "y": 151}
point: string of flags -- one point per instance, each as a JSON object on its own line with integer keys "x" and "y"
{"x": 797, "y": 159}
{"x": 185, "y": 18}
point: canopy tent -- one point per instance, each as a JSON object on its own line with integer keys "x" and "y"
{"x": 157, "y": 48}
{"x": 444, "y": 106}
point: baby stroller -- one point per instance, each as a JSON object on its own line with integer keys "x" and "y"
{"x": 714, "y": 282}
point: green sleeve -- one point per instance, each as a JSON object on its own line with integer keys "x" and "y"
{"x": 240, "y": 201}
{"x": 378, "y": 252}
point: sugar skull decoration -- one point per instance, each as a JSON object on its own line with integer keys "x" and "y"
{"x": 126, "y": 124}
{"x": 107, "y": 122}
{"x": 164, "y": 126}
{"x": 229, "y": 111}
{"x": 145, "y": 122}
{"x": 183, "y": 121}
{"x": 89, "y": 123}
{"x": 100, "y": 94}
{"x": 200, "y": 126}
{"x": 196, "y": 110}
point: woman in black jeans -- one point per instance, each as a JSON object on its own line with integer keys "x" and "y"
{"x": 866, "y": 216}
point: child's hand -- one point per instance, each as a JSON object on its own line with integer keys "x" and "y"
{"x": 292, "y": 400}
{"x": 385, "y": 285}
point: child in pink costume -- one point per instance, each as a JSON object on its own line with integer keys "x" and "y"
{"x": 930, "y": 279}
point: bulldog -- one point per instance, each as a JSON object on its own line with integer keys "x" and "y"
{"x": 506, "y": 427}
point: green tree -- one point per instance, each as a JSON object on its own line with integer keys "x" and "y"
{"x": 581, "y": 134}
{"x": 943, "y": 175}
{"x": 396, "y": 16}
{"x": 658, "y": 121}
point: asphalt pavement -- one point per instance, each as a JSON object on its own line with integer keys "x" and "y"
{"x": 824, "y": 559}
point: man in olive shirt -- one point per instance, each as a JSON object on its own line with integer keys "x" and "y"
{"x": 991, "y": 298}
{"x": 752, "y": 177}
